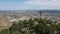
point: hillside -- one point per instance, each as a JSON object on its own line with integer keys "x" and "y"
{"x": 4, "y": 22}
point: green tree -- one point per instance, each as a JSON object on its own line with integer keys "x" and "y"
{"x": 5, "y": 31}
{"x": 16, "y": 32}
{"x": 58, "y": 27}
{"x": 49, "y": 21}
{"x": 14, "y": 27}
{"x": 42, "y": 28}
{"x": 32, "y": 23}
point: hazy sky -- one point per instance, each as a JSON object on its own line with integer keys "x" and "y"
{"x": 29, "y": 4}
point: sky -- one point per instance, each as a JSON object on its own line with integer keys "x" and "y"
{"x": 29, "y": 4}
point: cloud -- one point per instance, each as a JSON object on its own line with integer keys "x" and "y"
{"x": 52, "y": 3}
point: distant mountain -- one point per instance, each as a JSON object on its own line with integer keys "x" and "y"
{"x": 28, "y": 12}
{"x": 25, "y": 11}
{"x": 49, "y": 11}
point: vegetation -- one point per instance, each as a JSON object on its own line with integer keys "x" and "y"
{"x": 33, "y": 26}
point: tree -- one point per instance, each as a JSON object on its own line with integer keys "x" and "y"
{"x": 26, "y": 23}
{"x": 32, "y": 23}
{"x": 14, "y": 27}
{"x": 58, "y": 27}
{"x": 29, "y": 27}
{"x": 49, "y": 21}
{"x": 5, "y": 31}
{"x": 58, "y": 33}
{"x": 16, "y": 32}
{"x": 21, "y": 25}
{"x": 42, "y": 28}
